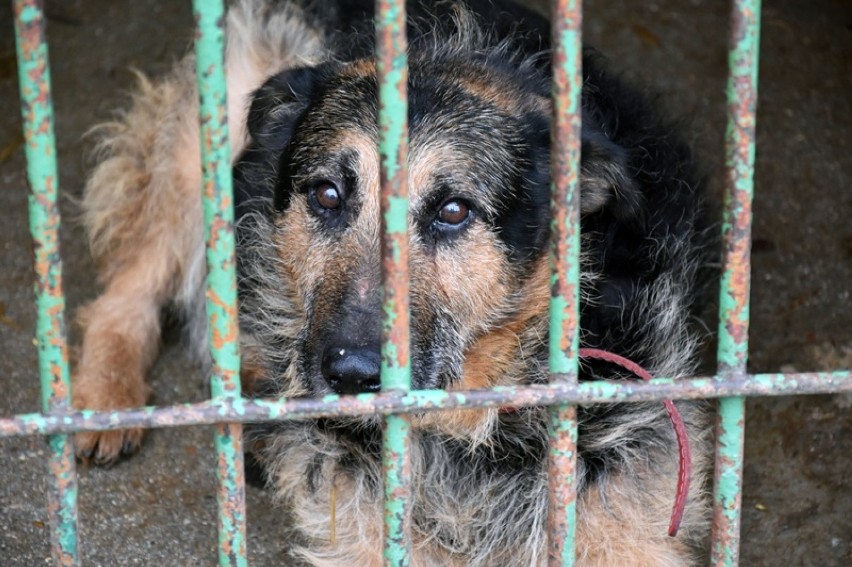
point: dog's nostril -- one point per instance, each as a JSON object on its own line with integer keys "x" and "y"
{"x": 352, "y": 370}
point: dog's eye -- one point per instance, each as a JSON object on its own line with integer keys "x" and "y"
{"x": 453, "y": 213}
{"x": 327, "y": 196}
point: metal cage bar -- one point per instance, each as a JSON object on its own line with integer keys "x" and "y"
{"x": 584, "y": 393}
{"x": 563, "y": 338}
{"x": 223, "y": 333}
{"x": 42, "y": 175}
{"x": 736, "y": 279}
{"x": 392, "y": 69}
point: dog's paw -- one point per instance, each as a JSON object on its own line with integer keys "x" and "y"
{"x": 97, "y": 393}
{"x": 106, "y": 447}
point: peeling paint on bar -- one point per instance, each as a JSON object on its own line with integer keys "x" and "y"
{"x": 734, "y": 294}
{"x": 397, "y": 465}
{"x": 585, "y": 393}
{"x": 739, "y": 163}
{"x": 393, "y": 149}
{"x": 565, "y": 277}
{"x": 392, "y": 67}
{"x": 221, "y": 274}
{"x": 37, "y": 112}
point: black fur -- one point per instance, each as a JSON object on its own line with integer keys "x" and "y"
{"x": 642, "y": 234}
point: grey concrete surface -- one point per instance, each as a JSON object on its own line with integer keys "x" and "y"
{"x": 158, "y": 508}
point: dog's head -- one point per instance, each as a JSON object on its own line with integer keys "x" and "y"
{"x": 479, "y": 183}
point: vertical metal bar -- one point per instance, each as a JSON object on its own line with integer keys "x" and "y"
{"x": 734, "y": 295}
{"x": 392, "y": 66}
{"x": 221, "y": 273}
{"x": 37, "y": 110}
{"x": 565, "y": 279}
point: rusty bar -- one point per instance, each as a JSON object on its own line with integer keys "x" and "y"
{"x": 221, "y": 273}
{"x": 37, "y": 111}
{"x": 565, "y": 274}
{"x": 392, "y": 67}
{"x": 734, "y": 295}
{"x": 585, "y": 393}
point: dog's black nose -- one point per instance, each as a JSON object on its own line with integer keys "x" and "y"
{"x": 352, "y": 370}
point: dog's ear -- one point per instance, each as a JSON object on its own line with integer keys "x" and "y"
{"x": 277, "y": 108}
{"x": 605, "y": 179}
{"x": 278, "y": 105}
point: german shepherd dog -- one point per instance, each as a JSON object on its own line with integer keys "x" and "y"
{"x": 302, "y": 113}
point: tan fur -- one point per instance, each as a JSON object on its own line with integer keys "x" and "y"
{"x": 503, "y": 99}
{"x": 614, "y": 528}
{"x": 491, "y": 358}
{"x": 624, "y": 521}
{"x": 143, "y": 214}
{"x": 468, "y": 289}
{"x": 357, "y": 527}
{"x": 312, "y": 266}
{"x": 132, "y": 205}
{"x": 251, "y": 371}
{"x": 360, "y": 68}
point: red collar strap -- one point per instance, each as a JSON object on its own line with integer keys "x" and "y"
{"x": 684, "y": 472}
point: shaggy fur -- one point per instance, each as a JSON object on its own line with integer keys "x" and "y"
{"x": 303, "y": 107}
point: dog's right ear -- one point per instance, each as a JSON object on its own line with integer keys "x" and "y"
{"x": 606, "y": 178}
{"x": 278, "y": 105}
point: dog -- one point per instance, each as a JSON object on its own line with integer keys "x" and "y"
{"x": 302, "y": 103}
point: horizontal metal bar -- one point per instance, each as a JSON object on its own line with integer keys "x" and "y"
{"x": 246, "y": 411}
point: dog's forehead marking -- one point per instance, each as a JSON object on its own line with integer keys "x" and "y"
{"x": 495, "y": 91}
{"x": 440, "y": 164}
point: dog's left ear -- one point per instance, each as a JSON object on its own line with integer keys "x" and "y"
{"x": 277, "y": 108}
{"x": 278, "y": 105}
{"x": 605, "y": 178}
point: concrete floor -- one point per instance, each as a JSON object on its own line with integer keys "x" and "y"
{"x": 158, "y": 508}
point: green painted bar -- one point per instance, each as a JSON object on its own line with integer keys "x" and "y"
{"x": 585, "y": 393}
{"x": 734, "y": 295}
{"x": 392, "y": 67}
{"x": 37, "y": 112}
{"x": 565, "y": 274}
{"x": 221, "y": 273}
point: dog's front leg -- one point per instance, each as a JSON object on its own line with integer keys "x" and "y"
{"x": 143, "y": 217}
{"x": 121, "y": 341}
